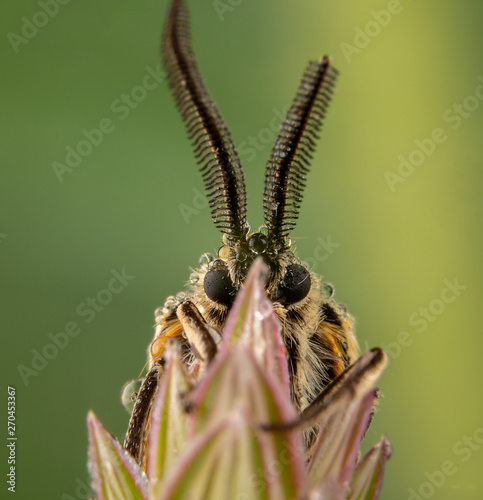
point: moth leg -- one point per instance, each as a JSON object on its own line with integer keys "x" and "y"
{"x": 203, "y": 339}
{"x": 359, "y": 378}
{"x": 136, "y": 434}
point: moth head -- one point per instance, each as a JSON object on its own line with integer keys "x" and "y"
{"x": 288, "y": 280}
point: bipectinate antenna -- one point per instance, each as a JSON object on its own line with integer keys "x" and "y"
{"x": 220, "y": 164}
{"x": 288, "y": 164}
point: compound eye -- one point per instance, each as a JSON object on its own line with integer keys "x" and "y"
{"x": 296, "y": 284}
{"x": 218, "y": 285}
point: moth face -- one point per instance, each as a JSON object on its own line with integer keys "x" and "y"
{"x": 288, "y": 281}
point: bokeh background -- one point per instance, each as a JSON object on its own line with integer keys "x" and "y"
{"x": 398, "y": 234}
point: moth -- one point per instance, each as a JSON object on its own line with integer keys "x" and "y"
{"x": 317, "y": 331}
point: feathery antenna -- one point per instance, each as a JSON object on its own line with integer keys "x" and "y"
{"x": 220, "y": 164}
{"x": 288, "y": 164}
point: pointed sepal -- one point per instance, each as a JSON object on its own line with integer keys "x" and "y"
{"x": 235, "y": 380}
{"x": 115, "y": 475}
{"x": 167, "y": 427}
{"x": 252, "y": 322}
{"x": 345, "y": 408}
{"x": 367, "y": 480}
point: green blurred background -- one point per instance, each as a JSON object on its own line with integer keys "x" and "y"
{"x": 127, "y": 205}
